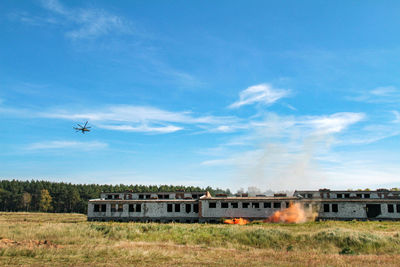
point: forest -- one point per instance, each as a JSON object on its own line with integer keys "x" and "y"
{"x": 46, "y": 196}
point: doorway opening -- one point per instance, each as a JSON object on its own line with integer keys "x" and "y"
{"x": 373, "y": 210}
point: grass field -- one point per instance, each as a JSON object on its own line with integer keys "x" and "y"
{"x": 41, "y": 239}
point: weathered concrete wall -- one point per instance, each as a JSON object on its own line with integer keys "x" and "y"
{"x": 240, "y": 212}
{"x": 345, "y": 210}
{"x": 148, "y": 209}
{"x": 358, "y": 210}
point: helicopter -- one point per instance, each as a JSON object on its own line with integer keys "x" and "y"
{"x": 81, "y": 128}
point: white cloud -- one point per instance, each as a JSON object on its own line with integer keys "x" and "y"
{"x": 288, "y": 131}
{"x": 362, "y": 168}
{"x": 383, "y": 94}
{"x": 33, "y": 20}
{"x": 80, "y": 23}
{"x": 131, "y": 118}
{"x": 397, "y": 115}
{"x": 384, "y": 91}
{"x": 130, "y": 113}
{"x": 261, "y": 93}
{"x": 373, "y": 133}
{"x": 183, "y": 78}
{"x": 66, "y": 145}
{"x": 93, "y": 23}
{"x": 142, "y": 128}
{"x": 282, "y": 152}
{"x": 275, "y": 126}
{"x": 225, "y": 128}
{"x": 334, "y": 123}
{"x": 55, "y": 6}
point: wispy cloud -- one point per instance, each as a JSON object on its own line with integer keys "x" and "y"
{"x": 383, "y": 94}
{"x": 131, "y": 113}
{"x": 79, "y": 23}
{"x": 131, "y": 118}
{"x": 143, "y": 128}
{"x": 283, "y": 151}
{"x": 290, "y": 130}
{"x": 373, "y": 133}
{"x": 261, "y": 93}
{"x": 396, "y": 114}
{"x": 56, "y": 145}
{"x": 181, "y": 78}
{"x": 274, "y": 125}
{"x": 89, "y": 22}
{"x": 33, "y": 20}
{"x": 55, "y": 6}
{"x": 92, "y": 23}
{"x": 334, "y": 123}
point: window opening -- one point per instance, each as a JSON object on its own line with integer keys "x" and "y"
{"x": 188, "y": 208}
{"x": 335, "y": 208}
{"x": 196, "y": 208}
{"x": 120, "y": 207}
{"x": 131, "y": 208}
{"x": 96, "y": 208}
{"x": 169, "y": 207}
{"x": 326, "y": 207}
{"x": 390, "y": 208}
{"x": 177, "y": 207}
{"x": 138, "y": 208}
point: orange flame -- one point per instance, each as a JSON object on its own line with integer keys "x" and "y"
{"x": 239, "y": 221}
{"x": 293, "y": 214}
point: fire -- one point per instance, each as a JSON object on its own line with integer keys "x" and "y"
{"x": 293, "y": 214}
{"x": 239, "y": 221}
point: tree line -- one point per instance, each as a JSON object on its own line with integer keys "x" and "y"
{"x": 46, "y": 196}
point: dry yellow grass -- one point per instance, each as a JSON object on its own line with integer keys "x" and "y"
{"x": 38, "y": 239}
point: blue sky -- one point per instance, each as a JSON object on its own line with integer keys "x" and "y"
{"x": 278, "y": 95}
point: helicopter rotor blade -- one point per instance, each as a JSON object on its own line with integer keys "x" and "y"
{"x": 85, "y": 124}
{"x": 80, "y": 125}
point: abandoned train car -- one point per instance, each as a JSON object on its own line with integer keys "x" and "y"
{"x": 190, "y": 207}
